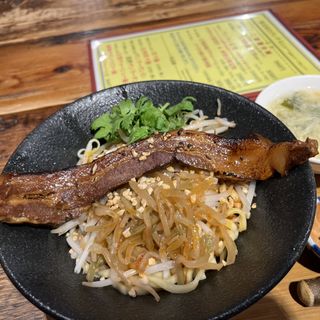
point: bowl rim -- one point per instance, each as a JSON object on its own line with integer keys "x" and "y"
{"x": 290, "y": 82}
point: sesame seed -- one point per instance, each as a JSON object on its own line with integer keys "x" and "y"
{"x": 121, "y": 212}
{"x": 127, "y": 194}
{"x": 132, "y": 293}
{"x": 126, "y": 233}
{"x": 144, "y": 202}
{"x": 150, "y": 140}
{"x": 112, "y": 201}
{"x": 94, "y": 168}
{"x": 140, "y": 210}
{"x": 193, "y": 198}
{"x": 170, "y": 169}
{"x": 142, "y": 158}
{"x": 139, "y": 215}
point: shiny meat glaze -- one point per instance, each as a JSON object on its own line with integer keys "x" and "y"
{"x": 54, "y": 198}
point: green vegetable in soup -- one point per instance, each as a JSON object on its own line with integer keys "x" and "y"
{"x": 288, "y": 103}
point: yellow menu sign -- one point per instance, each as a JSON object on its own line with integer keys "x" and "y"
{"x": 241, "y": 53}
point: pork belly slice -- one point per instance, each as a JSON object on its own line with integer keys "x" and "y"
{"x": 53, "y": 198}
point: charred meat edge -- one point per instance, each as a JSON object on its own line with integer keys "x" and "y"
{"x": 53, "y": 198}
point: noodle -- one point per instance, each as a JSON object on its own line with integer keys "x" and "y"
{"x": 163, "y": 230}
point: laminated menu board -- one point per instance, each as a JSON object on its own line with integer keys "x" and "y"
{"x": 242, "y": 53}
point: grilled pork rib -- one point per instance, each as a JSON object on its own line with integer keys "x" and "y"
{"x": 53, "y": 198}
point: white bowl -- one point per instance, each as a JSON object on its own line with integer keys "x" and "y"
{"x": 286, "y": 86}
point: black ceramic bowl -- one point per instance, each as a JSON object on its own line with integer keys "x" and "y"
{"x": 38, "y": 262}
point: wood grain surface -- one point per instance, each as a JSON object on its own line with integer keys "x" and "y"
{"x": 44, "y": 63}
{"x": 53, "y": 39}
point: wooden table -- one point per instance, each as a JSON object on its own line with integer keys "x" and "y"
{"x": 44, "y": 64}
